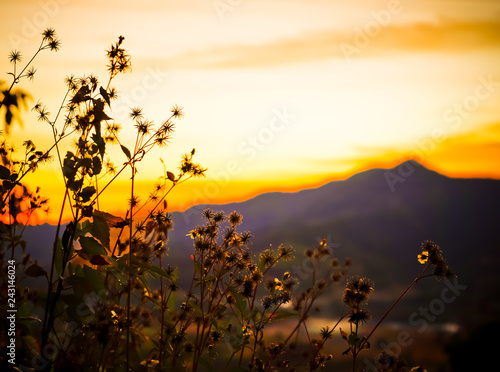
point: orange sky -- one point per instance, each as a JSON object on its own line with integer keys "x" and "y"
{"x": 278, "y": 94}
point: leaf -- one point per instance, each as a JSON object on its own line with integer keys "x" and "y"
{"x": 104, "y": 94}
{"x": 69, "y": 166}
{"x": 68, "y": 233}
{"x": 111, "y": 220}
{"x": 81, "y": 95}
{"x": 144, "y": 282}
{"x": 84, "y": 163}
{"x": 35, "y": 271}
{"x": 91, "y": 247}
{"x": 99, "y": 260}
{"x": 99, "y": 141}
{"x": 87, "y": 193}
{"x": 159, "y": 271}
{"x": 4, "y": 173}
{"x": 100, "y": 229}
{"x": 343, "y": 334}
{"x": 208, "y": 365}
{"x": 83, "y": 229}
{"x": 126, "y": 152}
{"x": 241, "y": 302}
{"x": 238, "y": 369}
{"x": 282, "y": 314}
{"x": 58, "y": 255}
{"x": 99, "y": 115}
{"x": 7, "y": 185}
{"x": 96, "y": 165}
{"x": 94, "y": 278}
{"x": 74, "y": 185}
{"x": 171, "y": 176}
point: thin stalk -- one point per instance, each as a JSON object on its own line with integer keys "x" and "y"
{"x": 16, "y": 78}
{"x": 52, "y": 265}
{"x": 130, "y": 268}
{"x": 394, "y": 304}
{"x": 162, "y": 315}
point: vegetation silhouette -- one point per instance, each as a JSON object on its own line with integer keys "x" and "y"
{"x": 112, "y": 299}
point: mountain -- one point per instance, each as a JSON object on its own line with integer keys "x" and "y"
{"x": 378, "y": 218}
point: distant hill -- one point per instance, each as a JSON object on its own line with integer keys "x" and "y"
{"x": 378, "y": 218}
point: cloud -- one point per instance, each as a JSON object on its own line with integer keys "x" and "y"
{"x": 473, "y": 154}
{"x": 445, "y": 37}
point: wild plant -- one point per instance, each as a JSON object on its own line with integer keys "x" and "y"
{"x": 113, "y": 298}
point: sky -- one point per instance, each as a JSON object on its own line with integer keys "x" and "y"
{"x": 279, "y": 95}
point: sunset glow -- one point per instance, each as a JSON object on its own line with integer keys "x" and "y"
{"x": 278, "y": 95}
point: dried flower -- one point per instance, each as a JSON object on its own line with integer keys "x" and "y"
{"x": 15, "y": 56}
{"x": 177, "y": 111}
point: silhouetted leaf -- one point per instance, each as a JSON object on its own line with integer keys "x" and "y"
{"x": 282, "y": 314}
{"x": 159, "y": 271}
{"x": 100, "y": 229}
{"x": 96, "y": 165}
{"x": 81, "y": 95}
{"x": 58, "y": 255}
{"x": 343, "y": 334}
{"x": 91, "y": 246}
{"x": 171, "y": 176}
{"x": 4, "y": 173}
{"x": 8, "y": 117}
{"x": 75, "y": 185}
{"x": 68, "y": 233}
{"x": 99, "y": 141}
{"x": 7, "y": 185}
{"x": 99, "y": 260}
{"x": 35, "y": 270}
{"x": 208, "y": 365}
{"x": 69, "y": 166}
{"x": 241, "y": 303}
{"x": 99, "y": 115}
{"x": 112, "y": 221}
{"x": 126, "y": 151}
{"x": 104, "y": 94}
{"x": 144, "y": 282}
{"x": 93, "y": 278}
{"x": 87, "y": 193}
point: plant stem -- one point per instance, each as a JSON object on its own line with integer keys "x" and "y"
{"x": 129, "y": 289}
{"x": 393, "y": 305}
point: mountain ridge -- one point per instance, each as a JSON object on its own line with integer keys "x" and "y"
{"x": 380, "y": 227}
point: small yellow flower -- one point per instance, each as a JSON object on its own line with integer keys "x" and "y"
{"x": 192, "y": 234}
{"x": 423, "y": 257}
{"x": 278, "y": 285}
{"x": 114, "y": 316}
{"x": 246, "y": 330}
{"x": 150, "y": 362}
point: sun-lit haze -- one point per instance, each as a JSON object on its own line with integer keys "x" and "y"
{"x": 279, "y": 95}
